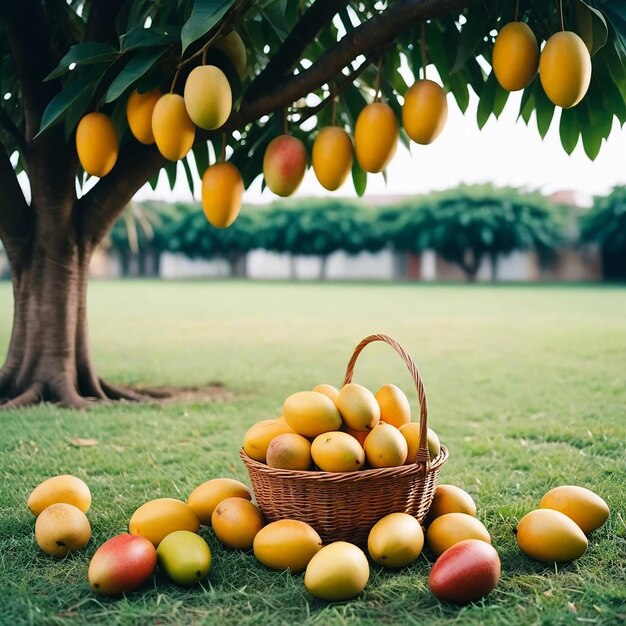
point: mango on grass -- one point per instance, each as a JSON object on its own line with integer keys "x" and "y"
{"x": 158, "y": 518}
{"x": 583, "y": 506}
{"x": 515, "y": 56}
{"x": 375, "y": 137}
{"x": 174, "y": 132}
{"x": 97, "y": 144}
{"x": 208, "y": 97}
{"x": 358, "y": 407}
{"x": 337, "y": 452}
{"x": 62, "y": 528}
{"x": 339, "y": 571}
{"x": 257, "y": 438}
{"x": 289, "y": 451}
{"x": 286, "y": 544}
{"x": 425, "y": 111}
{"x": 311, "y": 413}
{"x": 550, "y": 536}
{"x": 222, "y": 194}
{"x": 208, "y": 495}
{"x": 451, "y": 528}
{"x": 236, "y": 522}
{"x": 185, "y": 557}
{"x": 396, "y": 540}
{"x": 139, "y": 109}
{"x": 385, "y": 446}
{"x": 332, "y": 157}
{"x": 451, "y": 499}
{"x": 65, "y": 488}
{"x": 394, "y": 405}
{"x": 122, "y": 564}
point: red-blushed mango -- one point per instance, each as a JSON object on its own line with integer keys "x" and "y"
{"x": 64, "y": 488}
{"x": 208, "y": 495}
{"x": 97, "y": 144}
{"x": 337, "y": 452}
{"x": 233, "y": 47}
{"x": 284, "y": 165}
{"x": 396, "y": 540}
{"x": 550, "y": 536}
{"x": 466, "y": 572}
{"x": 394, "y": 405}
{"x": 311, "y": 413}
{"x": 358, "y": 407}
{"x": 257, "y": 439}
{"x": 451, "y": 528}
{"x": 425, "y": 111}
{"x": 451, "y": 499}
{"x": 339, "y": 571}
{"x": 376, "y": 137}
{"x": 289, "y": 451}
{"x": 565, "y": 69}
{"x": 139, "y": 109}
{"x": 158, "y": 518}
{"x": 62, "y": 528}
{"x": 582, "y": 505}
{"x": 236, "y": 522}
{"x": 208, "y": 97}
{"x": 332, "y": 157}
{"x": 385, "y": 446}
{"x": 121, "y": 565}
{"x": 327, "y": 390}
{"x": 286, "y": 544}
{"x": 174, "y": 132}
{"x": 222, "y": 194}
{"x": 515, "y": 56}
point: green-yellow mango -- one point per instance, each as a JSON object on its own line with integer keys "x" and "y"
{"x": 185, "y": 557}
{"x": 208, "y": 97}
{"x": 358, "y": 407}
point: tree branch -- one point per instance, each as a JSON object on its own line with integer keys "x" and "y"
{"x": 9, "y": 126}
{"x": 102, "y": 205}
{"x": 33, "y": 56}
{"x": 13, "y": 209}
{"x": 376, "y": 32}
{"x": 303, "y": 33}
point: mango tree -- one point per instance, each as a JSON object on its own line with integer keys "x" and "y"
{"x": 69, "y": 162}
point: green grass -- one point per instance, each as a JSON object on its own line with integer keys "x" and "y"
{"x": 526, "y": 386}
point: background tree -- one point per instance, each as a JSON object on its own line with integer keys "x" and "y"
{"x": 469, "y": 224}
{"x": 605, "y": 225}
{"x": 302, "y": 54}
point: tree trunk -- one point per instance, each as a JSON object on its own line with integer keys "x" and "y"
{"x": 293, "y": 270}
{"x": 323, "y": 267}
{"x": 494, "y": 267}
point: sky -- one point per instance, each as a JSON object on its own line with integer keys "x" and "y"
{"x": 504, "y": 152}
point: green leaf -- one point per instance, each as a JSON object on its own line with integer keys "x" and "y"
{"x": 471, "y": 38}
{"x": 592, "y": 137}
{"x": 171, "y": 169}
{"x": 138, "y": 65}
{"x": 591, "y": 26}
{"x": 359, "y": 178}
{"x": 487, "y": 99}
{"x": 527, "y": 105}
{"x": 188, "y": 174}
{"x": 148, "y": 38}
{"x": 201, "y": 157}
{"x": 61, "y": 103}
{"x": 83, "y": 54}
{"x": 544, "y": 111}
{"x": 204, "y": 16}
{"x": 569, "y": 130}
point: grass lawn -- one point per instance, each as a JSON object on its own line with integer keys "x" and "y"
{"x": 526, "y": 387}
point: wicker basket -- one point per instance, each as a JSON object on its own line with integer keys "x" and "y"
{"x": 345, "y": 506}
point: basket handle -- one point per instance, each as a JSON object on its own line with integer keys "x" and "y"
{"x": 423, "y": 456}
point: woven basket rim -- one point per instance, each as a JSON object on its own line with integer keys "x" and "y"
{"x": 360, "y": 475}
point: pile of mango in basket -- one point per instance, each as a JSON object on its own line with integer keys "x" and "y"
{"x": 164, "y": 533}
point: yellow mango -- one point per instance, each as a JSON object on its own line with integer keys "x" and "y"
{"x": 208, "y": 495}
{"x": 515, "y": 56}
{"x": 289, "y": 451}
{"x": 583, "y": 506}
{"x": 97, "y": 144}
{"x": 332, "y": 157}
{"x": 286, "y": 544}
{"x": 449, "y": 529}
{"x": 62, "y": 528}
{"x": 339, "y": 571}
{"x": 394, "y": 405}
{"x": 64, "y": 488}
{"x": 385, "y": 446}
{"x": 208, "y": 97}
{"x": 337, "y": 452}
{"x": 451, "y": 499}
{"x": 396, "y": 540}
{"x": 547, "y": 535}
{"x": 425, "y": 111}
{"x": 233, "y": 47}
{"x": 139, "y": 109}
{"x": 411, "y": 432}
{"x": 257, "y": 438}
{"x": 222, "y": 194}
{"x": 327, "y": 390}
{"x": 311, "y": 413}
{"x": 174, "y": 132}
{"x": 375, "y": 137}
{"x": 358, "y": 407}
{"x": 158, "y": 518}
{"x": 236, "y": 522}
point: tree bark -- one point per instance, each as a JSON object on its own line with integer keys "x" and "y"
{"x": 324, "y": 267}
